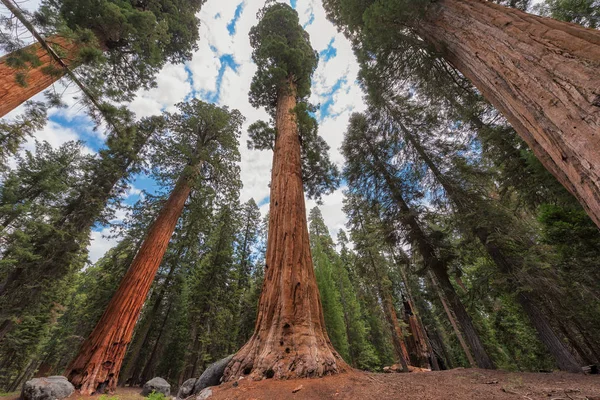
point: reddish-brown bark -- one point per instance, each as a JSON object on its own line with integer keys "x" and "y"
{"x": 12, "y": 94}
{"x": 96, "y": 367}
{"x": 416, "y": 342}
{"x": 542, "y": 74}
{"x": 289, "y": 339}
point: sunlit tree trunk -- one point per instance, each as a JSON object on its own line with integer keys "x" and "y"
{"x": 290, "y": 339}
{"x": 36, "y": 79}
{"x": 542, "y": 74}
{"x": 98, "y": 363}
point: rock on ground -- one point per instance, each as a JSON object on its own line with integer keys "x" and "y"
{"x": 204, "y": 394}
{"x": 50, "y": 388}
{"x": 212, "y": 375}
{"x": 158, "y": 385}
{"x": 186, "y": 389}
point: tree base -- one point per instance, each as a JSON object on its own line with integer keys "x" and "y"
{"x": 256, "y": 361}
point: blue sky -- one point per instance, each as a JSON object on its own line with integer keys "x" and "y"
{"x": 220, "y": 72}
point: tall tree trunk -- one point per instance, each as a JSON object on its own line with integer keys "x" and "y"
{"x": 99, "y": 360}
{"x": 457, "y": 331}
{"x": 289, "y": 339}
{"x": 37, "y": 79}
{"x": 437, "y": 266}
{"x": 465, "y": 204}
{"x": 543, "y": 76}
{"x": 420, "y": 338}
{"x": 149, "y": 367}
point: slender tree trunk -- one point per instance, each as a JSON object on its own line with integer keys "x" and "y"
{"x": 289, "y": 339}
{"x": 543, "y": 76}
{"x": 457, "y": 331}
{"x": 37, "y": 79}
{"x": 101, "y": 355}
{"x": 148, "y": 369}
{"x": 435, "y": 265}
{"x": 389, "y": 311}
{"x": 564, "y": 359}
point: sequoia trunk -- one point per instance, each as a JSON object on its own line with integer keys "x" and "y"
{"x": 98, "y": 363}
{"x": 542, "y": 74}
{"x": 37, "y": 79}
{"x": 289, "y": 340}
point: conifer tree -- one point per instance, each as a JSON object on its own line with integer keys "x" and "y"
{"x": 45, "y": 252}
{"x": 200, "y": 140}
{"x": 290, "y": 339}
{"x": 120, "y": 46}
{"x": 507, "y": 244}
{"x": 370, "y": 175}
{"x": 324, "y": 258}
{"x": 557, "y": 64}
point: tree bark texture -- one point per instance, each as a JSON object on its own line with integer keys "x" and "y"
{"x": 543, "y": 75}
{"x": 12, "y": 94}
{"x": 416, "y": 342}
{"x": 98, "y": 363}
{"x": 289, "y": 340}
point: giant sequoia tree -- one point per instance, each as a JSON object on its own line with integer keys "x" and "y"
{"x": 201, "y": 142}
{"x": 290, "y": 339}
{"x": 540, "y": 73}
{"x": 120, "y": 44}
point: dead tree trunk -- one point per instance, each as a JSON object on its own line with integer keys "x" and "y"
{"x": 541, "y": 74}
{"x": 289, "y": 340}
{"x": 38, "y": 78}
{"x": 99, "y": 360}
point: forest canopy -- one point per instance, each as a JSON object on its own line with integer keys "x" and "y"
{"x": 279, "y": 191}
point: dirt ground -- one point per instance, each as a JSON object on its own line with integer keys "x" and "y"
{"x": 457, "y": 384}
{"x": 444, "y": 385}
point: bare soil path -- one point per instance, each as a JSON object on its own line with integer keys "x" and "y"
{"x": 456, "y": 384}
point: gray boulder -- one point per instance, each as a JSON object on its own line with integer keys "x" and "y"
{"x": 158, "y": 385}
{"x": 212, "y": 375}
{"x": 50, "y": 388}
{"x": 187, "y": 389}
{"x": 204, "y": 394}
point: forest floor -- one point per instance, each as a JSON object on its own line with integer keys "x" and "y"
{"x": 456, "y": 384}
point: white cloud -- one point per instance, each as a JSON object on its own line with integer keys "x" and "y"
{"x": 201, "y": 76}
{"x": 100, "y": 243}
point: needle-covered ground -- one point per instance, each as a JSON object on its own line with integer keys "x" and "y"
{"x": 455, "y": 384}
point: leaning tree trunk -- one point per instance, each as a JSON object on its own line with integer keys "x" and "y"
{"x": 289, "y": 340}
{"x": 436, "y": 265}
{"x": 465, "y": 204}
{"x": 13, "y": 93}
{"x": 457, "y": 331}
{"x": 542, "y": 74}
{"x": 99, "y": 360}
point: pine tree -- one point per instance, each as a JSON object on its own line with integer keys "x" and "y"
{"x": 122, "y": 44}
{"x": 408, "y": 38}
{"x": 200, "y": 140}
{"x": 290, "y": 338}
{"x": 324, "y": 258}
{"x": 369, "y": 173}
